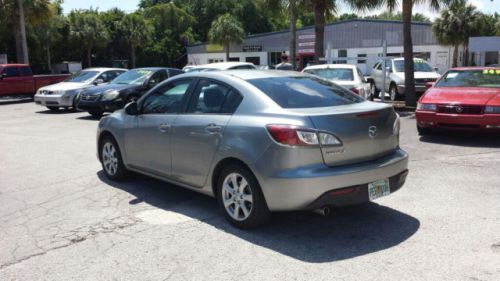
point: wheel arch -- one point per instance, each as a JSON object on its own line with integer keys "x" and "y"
{"x": 220, "y": 166}
{"x": 102, "y": 136}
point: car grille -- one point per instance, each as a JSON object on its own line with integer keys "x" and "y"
{"x": 424, "y": 80}
{"x": 460, "y": 109}
{"x": 85, "y": 97}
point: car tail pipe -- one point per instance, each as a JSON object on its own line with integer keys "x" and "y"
{"x": 324, "y": 211}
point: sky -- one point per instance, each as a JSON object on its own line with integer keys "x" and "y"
{"x": 485, "y": 6}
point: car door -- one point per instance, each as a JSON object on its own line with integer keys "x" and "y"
{"x": 27, "y": 80}
{"x": 147, "y": 142}
{"x": 12, "y": 80}
{"x": 197, "y": 134}
{"x": 377, "y": 75}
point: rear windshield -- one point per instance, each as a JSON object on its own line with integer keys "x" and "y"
{"x": 334, "y": 74}
{"x": 82, "y": 76}
{"x": 304, "y": 92}
{"x": 487, "y": 78}
{"x": 420, "y": 65}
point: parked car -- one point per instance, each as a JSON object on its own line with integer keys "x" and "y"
{"x": 345, "y": 75}
{"x": 125, "y": 88}
{"x": 63, "y": 94}
{"x": 395, "y": 77}
{"x": 18, "y": 79}
{"x": 463, "y": 99}
{"x": 221, "y": 66}
{"x": 259, "y": 141}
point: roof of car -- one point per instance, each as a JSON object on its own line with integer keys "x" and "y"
{"x": 249, "y": 74}
{"x": 324, "y": 66}
{"x": 474, "y": 68}
{"x": 222, "y": 65}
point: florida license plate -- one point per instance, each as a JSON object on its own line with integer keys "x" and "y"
{"x": 378, "y": 189}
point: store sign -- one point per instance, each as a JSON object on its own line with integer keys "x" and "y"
{"x": 252, "y": 48}
{"x": 215, "y": 48}
{"x": 3, "y": 58}
{"x": 306, "y": 43}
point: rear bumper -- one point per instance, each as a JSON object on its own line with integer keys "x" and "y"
{"x": 480, "y": 122}
{"x": 303, "y": 188}
{"x": 419, "y": 89}
{"x": 54, "y": 100}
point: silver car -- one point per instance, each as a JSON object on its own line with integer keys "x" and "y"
{"x": 258, "y": 141}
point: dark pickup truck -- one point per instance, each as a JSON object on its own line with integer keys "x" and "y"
{"x": 18, "y": 79}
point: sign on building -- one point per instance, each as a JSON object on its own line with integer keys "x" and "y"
{"x": 305, "y": 43}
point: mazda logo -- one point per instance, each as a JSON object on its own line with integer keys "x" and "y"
{"x": 458, "y": 108}
{"x": 372, "y": 131}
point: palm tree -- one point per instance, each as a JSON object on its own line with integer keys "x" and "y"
{"x": 226, "y": 30}
{"x": 407, "y": 9}
{"x": 322, "y": 9}
{"x": 87, "y": 30}
{"x": 456, "y": 25}
{"x": 135, "y": 31}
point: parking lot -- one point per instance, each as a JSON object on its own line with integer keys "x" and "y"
{"x": 61, "y": 219}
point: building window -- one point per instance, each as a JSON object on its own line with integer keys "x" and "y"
{"x": 342, "y": 54}
{"x": 361, "y": 58}
{"x": 274, "y": 58}
{"x": 215, "y": 60}
{"x": 234, "y": 59}
{"x": 254, "y": 60}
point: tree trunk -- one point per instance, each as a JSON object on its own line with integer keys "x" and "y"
{"x": 227, "y": 51}
{"x": 132, "y": 54}
{"x": 89, "y": 57}
{"x": 20, "y": 34}
{"x": 410, "y": 97}
{"x": 293, "y": 33}
{"x": 319, "y": 28}
{"x": 49, "y": 63}
{"x": 455, "y": 56}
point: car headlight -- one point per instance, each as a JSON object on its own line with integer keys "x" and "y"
{"x": 426, "y": 106}
{"x": 492, "y": 109}
{"x": 110, "y": 95}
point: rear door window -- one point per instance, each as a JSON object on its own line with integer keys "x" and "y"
{"x": 26, "y": 71}
{"x": 11, "y": 72}
{"x": 304, "y": 92}
{"x": 168, "y": 98}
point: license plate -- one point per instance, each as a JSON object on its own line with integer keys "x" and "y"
{"x": 378, "y": 189}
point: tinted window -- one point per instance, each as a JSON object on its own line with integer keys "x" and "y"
{"x": 158, "y": 77}
{"x": 173, "y": 72}
{"x": 133, "y": 77}
{"x": 11, "y": 72}
{"x": 26, "y": 71}
{"x": 488, "y": 78}
{"x": 304, "y": 92}
{"x": 420, "y": 65}
{"x": 213, "y": 97}
{"x": 109, "y": 75}
{"x": 82, "y": 76}
{"x": 166, "y": 99}
{"x": 335, "y": 74}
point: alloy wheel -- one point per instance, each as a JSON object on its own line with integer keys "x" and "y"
{"x": 110, "y": 158}
{"x": 237, "y": 196}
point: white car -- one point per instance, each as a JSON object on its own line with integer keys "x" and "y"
{"x": 395, "y": 77}
{"x": 345, "y": 75}
{"x": 219, "y": 66}
{"x": 63, "y": 94}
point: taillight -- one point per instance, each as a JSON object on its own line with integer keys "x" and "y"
{"x": 297, "y": 136}
{"x": 356, "y": 90}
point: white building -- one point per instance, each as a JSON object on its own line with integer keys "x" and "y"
{"x": 359, "y": 41}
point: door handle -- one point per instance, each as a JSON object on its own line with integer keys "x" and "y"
{"x": 163, "y": 127}
{"x": 213, "y": 128}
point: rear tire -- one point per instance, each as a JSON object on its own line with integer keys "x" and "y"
{"x": 393, "y": 92}
{"x": 111, "y": 159}
{"x": 374, "y": 93}
{"x": 240, "y": 197}
{"x": 53, "y": 108}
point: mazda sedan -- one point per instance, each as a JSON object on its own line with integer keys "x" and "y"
{"x": 465, "y": 99}
{"x": 258, "y": 141}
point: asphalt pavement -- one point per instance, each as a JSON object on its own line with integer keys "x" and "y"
{"x": 61, "y": 219}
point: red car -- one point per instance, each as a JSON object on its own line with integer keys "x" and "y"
{"x": 462, "y": 99}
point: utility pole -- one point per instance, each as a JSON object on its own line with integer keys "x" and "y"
{"x": 293, "y": 33}
{"x": 22, "y": 25}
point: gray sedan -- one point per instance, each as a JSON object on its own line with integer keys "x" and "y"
{"x": 258, "y": 141}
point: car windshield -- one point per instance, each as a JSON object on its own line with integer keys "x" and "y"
{"x": 304, "y": 92}
{"x": 487, "y": 78}
{"x": 82, "y": 76}
{"x": 133, "y": 77}
{"x": 420, "y": 66}
{"x": 334, "y": 74}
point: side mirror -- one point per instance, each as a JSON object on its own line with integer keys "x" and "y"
{"x": 132, "y": 108}
{"x": 152, "y": 83}
{"x": 98, "y": 81}
{"x": 429, "y": 84}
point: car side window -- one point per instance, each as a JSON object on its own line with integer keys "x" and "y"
{"x": 214, "y": 98}
{"x": 167, "y": 98}
{"x": 26, "y": 71}
{"x": 378, "y": 66}
{"x": 11, "y": 72}
{"x": 158, "y": 77}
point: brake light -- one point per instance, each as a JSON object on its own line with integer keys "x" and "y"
{"x": 297, "y": 136}
{"x": 356, "y": 90}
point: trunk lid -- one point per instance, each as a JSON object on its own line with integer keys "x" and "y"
{"x": 367, "y": 131}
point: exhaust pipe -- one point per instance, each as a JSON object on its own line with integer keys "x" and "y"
{"x": 325, "y": 211}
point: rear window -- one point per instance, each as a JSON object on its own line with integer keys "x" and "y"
{"x": 304, "y": 92}
{"x": 487, "y": 78}
{"x": 334, "y": 74}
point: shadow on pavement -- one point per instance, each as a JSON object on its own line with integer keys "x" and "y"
{"x": 467, "y": 139}
{"x": 60, "y": 111}
{"x": 15, "y": 99}
{"x": 305, "y": 236}
{"x": 89, "y": 118}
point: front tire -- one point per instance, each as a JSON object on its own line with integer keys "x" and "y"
{"x": 240, "y": 197}
{"x": 393, "y": 92}
{"x": 111, "y": 159}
